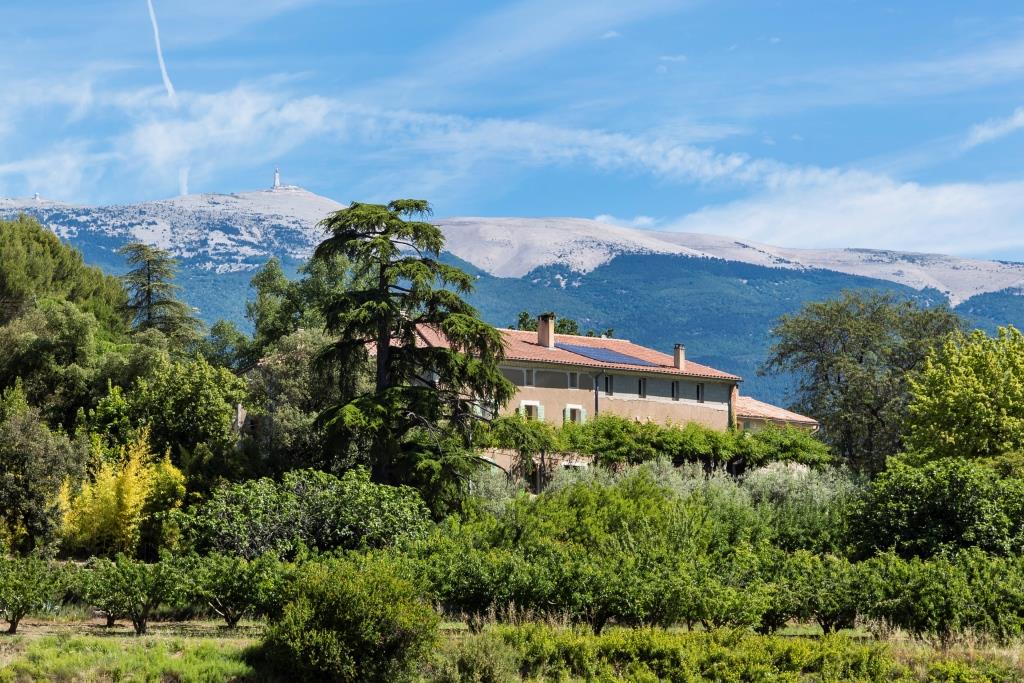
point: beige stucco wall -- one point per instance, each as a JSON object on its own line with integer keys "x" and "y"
{"x": 714, "y": 415}
{"x": 657, "y": 407}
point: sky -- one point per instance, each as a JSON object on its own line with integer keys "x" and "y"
{"x": 847, "y": 123}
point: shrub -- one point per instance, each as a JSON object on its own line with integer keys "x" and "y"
{"x": 359, "y": 619}
{"x": 539, "y": 652}
{"x": 132, "y": 589}
{"x": 234, "y": 587}
{"x": 127, "y": 496}
{"x": 27, "y": 584}
{"x": 804, "y": 508}
{"x": 316, "y": 509}
{"x": 927, "y": 598}
{"x": 938, "y": 506}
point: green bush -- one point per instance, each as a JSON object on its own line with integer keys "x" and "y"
{"x": 358, "y": 619}
{"x": 308, "y": 508}
{"x": 804, "y": 508}
{"x": 27, "y": 584}
{"x": 940, "y": 506}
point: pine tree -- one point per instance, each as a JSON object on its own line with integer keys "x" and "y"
{"x": 152, "y": 297}
{"x": 426, "y": 398}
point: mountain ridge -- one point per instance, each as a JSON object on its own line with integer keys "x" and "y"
{"x": 237, "y": 231}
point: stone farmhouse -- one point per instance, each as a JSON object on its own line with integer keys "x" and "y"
{"x": 568, "y": 378}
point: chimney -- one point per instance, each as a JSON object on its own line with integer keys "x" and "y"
{"x": 546, "y": 330}
{"x": 680, "y": 357}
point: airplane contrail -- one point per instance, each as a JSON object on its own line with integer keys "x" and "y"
{"x": 160, "y": 56}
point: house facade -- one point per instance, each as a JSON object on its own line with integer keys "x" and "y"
{"x": 568, "y": 378}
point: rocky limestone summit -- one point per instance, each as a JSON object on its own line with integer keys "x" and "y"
{"x": 237, "y": 232}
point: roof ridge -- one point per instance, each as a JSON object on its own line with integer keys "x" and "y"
{"x": 574, "y": 336}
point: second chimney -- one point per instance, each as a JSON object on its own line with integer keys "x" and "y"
{"x": 546, "y": 330}
{"x": 680, "y": 357}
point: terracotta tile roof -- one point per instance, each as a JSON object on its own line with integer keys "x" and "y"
{"x": 522, "y": 345}
{"x": 747, "y": 407}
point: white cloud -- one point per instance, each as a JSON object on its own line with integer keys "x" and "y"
{"x": 868, "y": 211}
{"x": 644, "y": 222}
{"x": 994, "y": 129}
{"x": 608, "y": 35}
{"x": 673, "y": 58}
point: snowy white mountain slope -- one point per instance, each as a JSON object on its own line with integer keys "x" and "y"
{"x": 230, "y": 232}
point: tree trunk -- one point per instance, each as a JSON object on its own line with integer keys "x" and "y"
{"x": 13, "y": 628}
{"x": 140, "y": 626}
{"x": 111, "y": 619}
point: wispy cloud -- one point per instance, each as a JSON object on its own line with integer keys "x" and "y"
{"x": 994, "y": 129}
{"x": 871, "y": 211}
{"x": 510, "y": 38}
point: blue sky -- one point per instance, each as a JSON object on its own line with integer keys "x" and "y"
{"x": 840, "y": 123}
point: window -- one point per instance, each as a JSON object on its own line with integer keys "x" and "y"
{"x": 609, "y": 385}
{"x": 675, "y": 391}
{"x": 641, "y": 387}
{"x": 575, "y": 414}
{"x": 528, "y": 378}
{"x": 532, "y": 410}
{"x": 574, "y": 380}
{"x": 700, "y": 393}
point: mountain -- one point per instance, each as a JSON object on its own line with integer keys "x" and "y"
{"x": 716, "y": 294}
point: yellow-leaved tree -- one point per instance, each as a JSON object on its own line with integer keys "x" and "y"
{"x": 123, "y": 503}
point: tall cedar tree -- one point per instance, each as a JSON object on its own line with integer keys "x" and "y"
{"x": 152, "y": 297}
{"x": 425, "y": 400}
{"x": 853, "y": 358}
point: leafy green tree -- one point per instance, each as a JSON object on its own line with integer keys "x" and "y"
{"x": 35, "y": 264}
{"x": 27, "y": 584}
{"x": 853, "y": 358}
{"x": 34, "y": 463}
{"x": 190, "y": 404}
{"x": 940, "y": 506}
{"x": 226, "y": 346}
{"x": 132, "y": 589}
{"x": 286, "y": 393}
{"x": 153, "y": 298}
{"x": 235, "y": 587}
{"x": 828, "y": 589}
{"x": 928, "y": 598}
{"x": 968, "y": 400}
{"x": 52, "y": 350}
{"x": 435, "y": 362}
{"x": 283, "y": 306}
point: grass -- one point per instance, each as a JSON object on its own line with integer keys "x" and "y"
{"x": 205, "y": 651}
{"x": 182, "y": 651}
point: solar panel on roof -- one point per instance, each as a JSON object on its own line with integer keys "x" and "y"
{"x": 603, "y": 355}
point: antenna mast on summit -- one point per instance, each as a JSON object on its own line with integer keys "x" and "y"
{"x": 277, "y": 178}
